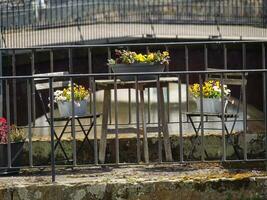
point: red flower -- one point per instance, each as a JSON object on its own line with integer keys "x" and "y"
{"x": 3, "y": 120}
{"x": 3, "y": 130}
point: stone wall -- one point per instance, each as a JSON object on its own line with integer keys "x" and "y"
{"x": 128, "y": 149}
{"x": 219, "y": 189}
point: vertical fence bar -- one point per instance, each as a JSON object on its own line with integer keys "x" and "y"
{"x": 129, "y": 107}
{"x": 206, "y": 62}
{"x": 14, "y": 88}
{"x": 264, "y": 98}
{"x": 109, "y": 70}
{"x": 51, "y": 60}
{"x": 8, "y": 124}
{"x": 129, "y": 101}
{"x": 116, "y": 121}
{"x": 148, "y": 97}
{"x": 70, "y": 60}
{"x": 73, "y": 131}
{"x": 223, "y": 118}
{"x": 180, "y": 119}
{"x": 51, "y": 97}
{"x": 187, "y": 78}
{"x": 225, "y": 61}
{"x": 244, "y": 66}
{"x": 168, "y": 92}
{"x": 201, "y": 117}
{"x": 90, "y": 71}
{"x": 137, "y": 120}
{"x": 1, "y": 83}
{"x": 159, "y": 121}
{"x": 264, "y": 11}
{"x": 244, "y": 115}
{"x": 95, "y": 128}
{"x": 148, "y": 105}
{"x": 29, "y": 120}
{"x": 244, "y": 56}
{"x": 33, "y": 88}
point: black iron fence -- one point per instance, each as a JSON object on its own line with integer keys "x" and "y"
{"x": 21, "y": 21}
{"x": 165, "y": 152}
{"x": 47, "y": 14}
{"x": 162, "y": 106}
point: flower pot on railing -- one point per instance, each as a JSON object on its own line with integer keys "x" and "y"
{"x": 137, "y": 68}
{"x": 210, "y": 105}
{"x": 131, "y": 62}
{"x": 65, "y": 108}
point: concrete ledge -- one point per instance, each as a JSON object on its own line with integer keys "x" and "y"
{"x": 154, "y": 182}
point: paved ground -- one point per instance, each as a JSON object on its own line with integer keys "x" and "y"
{"x": 134, "y": 174}
{"x": 153, "y": 182}
{"x": 27, "y": 38}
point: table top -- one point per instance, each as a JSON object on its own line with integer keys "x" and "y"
{"x": 109, "y": 83}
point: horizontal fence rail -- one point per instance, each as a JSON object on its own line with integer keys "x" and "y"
{"x": 147, "y": 121}
{"x": 33, "y": 23}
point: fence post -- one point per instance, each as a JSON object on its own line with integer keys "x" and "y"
{"x": 264, "y": 7}
{"x": 1, "y": 82}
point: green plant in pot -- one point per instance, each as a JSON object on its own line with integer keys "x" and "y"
{"x": 17, "y": 139}
{"x": 132, "y": 62}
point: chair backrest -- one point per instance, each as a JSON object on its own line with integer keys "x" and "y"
{"x": 42, "y": 84}
{"x": 230, "y": 79}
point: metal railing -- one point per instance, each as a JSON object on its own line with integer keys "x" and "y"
{"x": 11, "y": 84}
{"x": 142, "y": 16}
{"x": 62, "y": 13}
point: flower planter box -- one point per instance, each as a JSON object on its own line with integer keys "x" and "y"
{"x": 210, "y": 105}
{"x": 137, "y": 68}
{"x": 16, "y": 157}
{"x": 65, "y": 108}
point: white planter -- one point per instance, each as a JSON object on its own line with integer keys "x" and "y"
{"x": 210, "y": 105}
{"x": 65, "y": 108}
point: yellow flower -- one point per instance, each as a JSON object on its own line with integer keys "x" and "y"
{"x": 150, "y": 57}
{"x": 165, "y": 53}
{"x": 139, "y": 57}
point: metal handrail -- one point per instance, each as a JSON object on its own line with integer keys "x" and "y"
{"x": 191, "y": 43}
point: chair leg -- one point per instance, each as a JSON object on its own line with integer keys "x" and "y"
{"x": 232, "y": 143}
{"x": 196, "y": 139}
{"x": 59, "y": 141}
{"x": 61, "y": 134}
{"x": 145, "y": 143}
{"x": 103, "y": 139}
{"x": 86, "y": 134}
{"x": 166, "y": 136}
